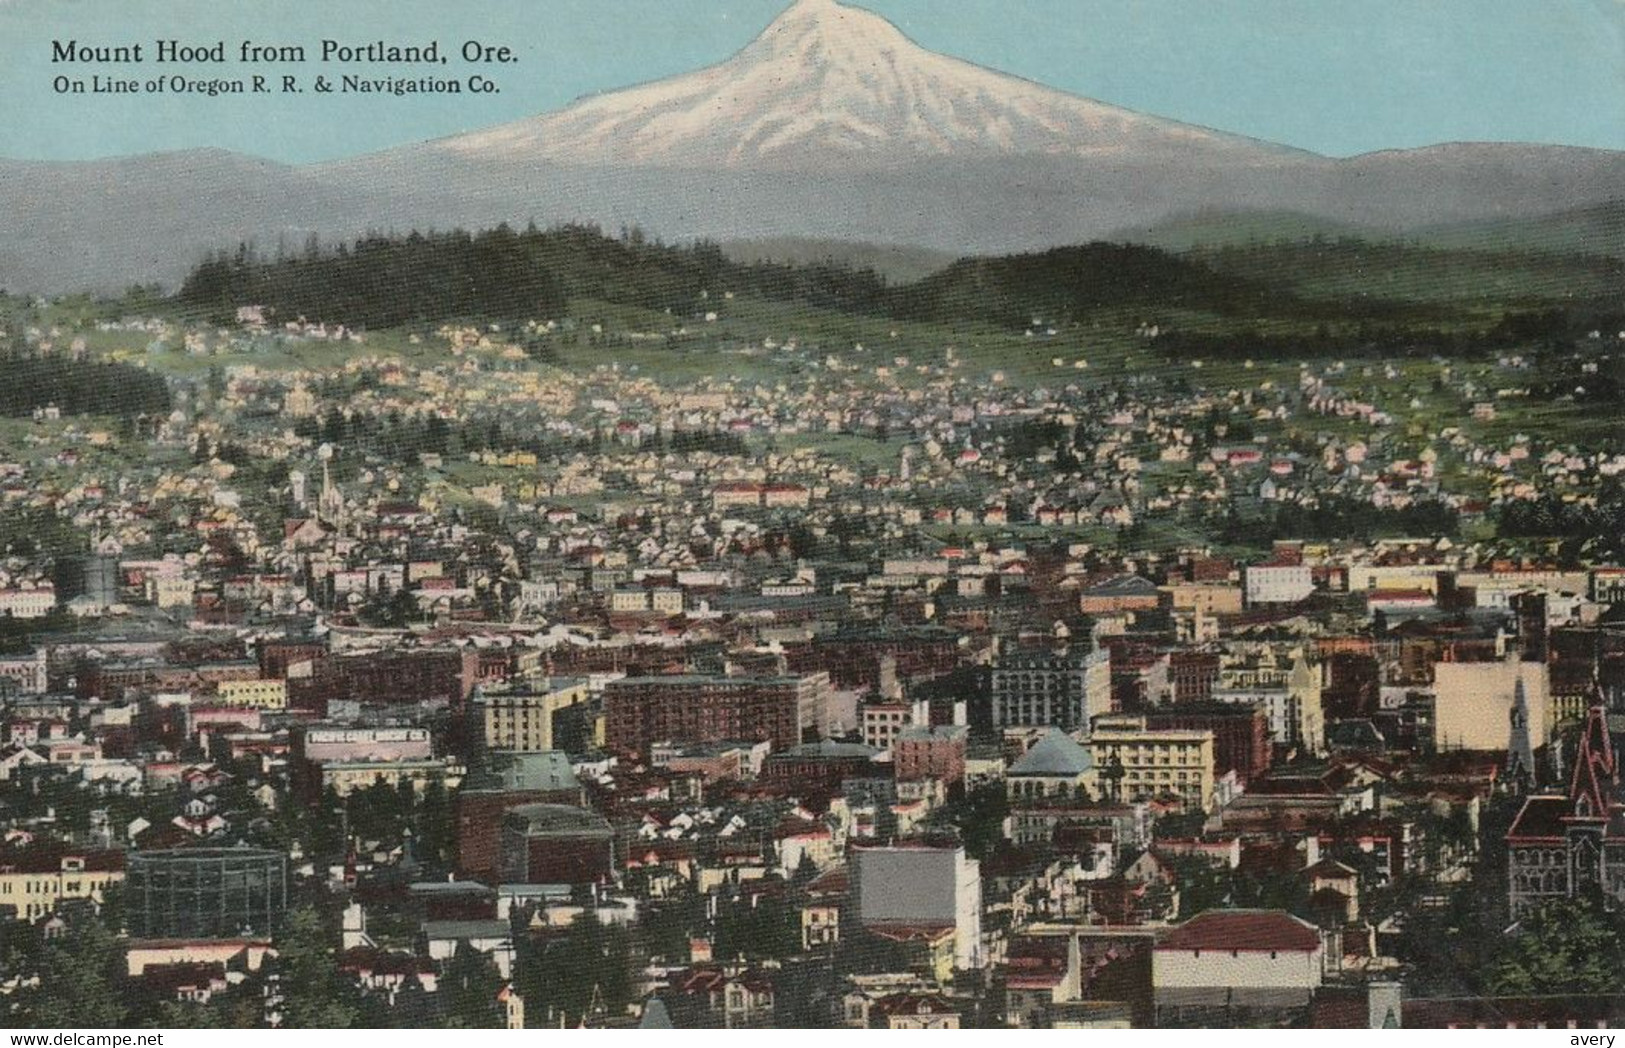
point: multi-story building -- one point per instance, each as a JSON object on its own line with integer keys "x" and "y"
{"x": 523, "y": 721}
{"x": 1205, "y": 597}
{"x": 936, "y": 752}
{"x": 501, "y": 782}
{"x": 641, "y": 711}
{"x": 1134, "y": 763}
{"x": 819, "y": 766}
{"x": 556, "y": 844}
{"x": 253, "y": 694}
{"x": 425, "y": 677}
{"x": 923, "y": 888}
{"x": 26, "y": 672}
{"x": 1287, "y": 686}
{"x": 1278, "y": 583}
{"x": 883, "y": 722}
{"x": 30, "y": 603}
{"x": 1192, "y": 675}
{"x": 351, "y": 759}
{"x": 35, "y": 879}
{"x": 1241, "y": 734}
{"x": 1051, "y": 689}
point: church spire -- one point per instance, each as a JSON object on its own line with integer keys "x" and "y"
{"x": 1595, "y": 773}
{"x": 1520, "y": 752}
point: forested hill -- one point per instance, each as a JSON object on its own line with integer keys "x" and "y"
{"x": 1066, "y": 283}
{"x": 79, "y": 387}
{"x": 533, "y": 274}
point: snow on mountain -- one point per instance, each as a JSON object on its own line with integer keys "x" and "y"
{"x": 826, "y": 85}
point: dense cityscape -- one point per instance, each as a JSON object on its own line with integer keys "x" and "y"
{"x": 568, "y": 673}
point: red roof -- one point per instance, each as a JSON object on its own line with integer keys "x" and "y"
{"x": 1252, "y": 930}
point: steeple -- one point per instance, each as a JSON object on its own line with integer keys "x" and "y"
{"x": 331, "y": 505}
{"x": 1520, "y": 753}
{"x": 1596, "y": 776}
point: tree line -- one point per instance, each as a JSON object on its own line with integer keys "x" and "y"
{"x": 79, "y": 387}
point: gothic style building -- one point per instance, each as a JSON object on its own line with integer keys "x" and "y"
{"x": 1560, "y": 846}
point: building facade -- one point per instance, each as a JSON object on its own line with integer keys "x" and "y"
{"x": 523, "y": 721}
{"x": 641, "y": 711}
{"x": 1561, "y": 845}
{"x": 1134, "y": 763}
{"x": 1051, "y": 689}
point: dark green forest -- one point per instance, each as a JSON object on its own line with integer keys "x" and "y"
{"x": 1067, "y": 283}
{"x": 1340, "y": 296}
{"x": 79, "y": 387}
{"x": 383, "y": 282}
{"x": 387, "y": 281}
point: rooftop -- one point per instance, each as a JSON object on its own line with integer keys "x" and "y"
{"x": 1054, "y": 755}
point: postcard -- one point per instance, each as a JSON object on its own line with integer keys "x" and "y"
{"x": 811, "y": 514}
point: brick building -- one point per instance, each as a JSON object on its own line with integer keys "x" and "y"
{"x": 506, "y": 781}
{"x": 641, "y": 711}
{"x": 931, "y": 753}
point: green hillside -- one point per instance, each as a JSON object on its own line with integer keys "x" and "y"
{"x": 1214, "y": 228}
{"x": 1597, "y": 230}
{"x": 898, "y": 263}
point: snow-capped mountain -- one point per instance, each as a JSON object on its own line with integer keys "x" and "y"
{"x": 831, "y": 125}
{"x": 826, "y": 84}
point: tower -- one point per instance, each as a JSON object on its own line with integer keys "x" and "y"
{"x": 331, "y": 505}
{"x": 1520, "y": 753}
{"x": 1592, "y": 794}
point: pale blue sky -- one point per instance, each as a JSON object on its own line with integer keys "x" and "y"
{"x": 1335, "y": 76}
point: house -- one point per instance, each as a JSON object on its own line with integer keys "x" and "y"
{"x": 914, "y": 1011}
{"x": 731, "y": 998}
{"x": 1236, "y": 967}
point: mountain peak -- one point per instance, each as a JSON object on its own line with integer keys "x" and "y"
{"x": 824, "y": 33}
{"x": 830, "y": 86}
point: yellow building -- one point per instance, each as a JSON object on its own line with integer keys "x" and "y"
{"x": 523, "y": 721}
{"x": 1207, "y": 598}
{"x": 33, "y": 881}
{"x": 253, "y": 694}
{"x": 1137, "y": 763}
